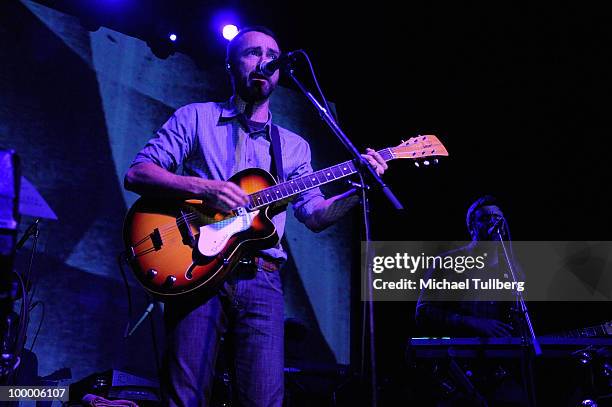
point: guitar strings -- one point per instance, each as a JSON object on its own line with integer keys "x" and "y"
{"x": 172, "y": 228}
{"x": 169, "y": 229}
{"x": 168, "y": 233}
{"x": 269, "y": 191}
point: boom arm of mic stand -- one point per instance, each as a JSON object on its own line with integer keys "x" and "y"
{"x": 363, "y": 165}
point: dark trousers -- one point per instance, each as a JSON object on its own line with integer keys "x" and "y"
{"x": 248, "y": 311}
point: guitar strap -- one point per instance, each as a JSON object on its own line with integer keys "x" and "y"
{"x": 276, "y": 165}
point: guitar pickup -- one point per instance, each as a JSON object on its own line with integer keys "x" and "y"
{"x": 156, "y": 239}
{"x": 182, "y": 222}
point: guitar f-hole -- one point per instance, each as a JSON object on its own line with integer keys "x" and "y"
{"x": 189, "y": 272}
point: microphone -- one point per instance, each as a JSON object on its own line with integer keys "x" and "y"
{"x": 267, "y": 68}
{"x": 496, "y": 226}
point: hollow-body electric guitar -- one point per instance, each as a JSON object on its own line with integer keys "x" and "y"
{"x": 175, "y": 247}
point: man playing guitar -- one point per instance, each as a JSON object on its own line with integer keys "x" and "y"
{"x": 211, "y": 142}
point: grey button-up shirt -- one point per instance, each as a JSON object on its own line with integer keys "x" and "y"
{"x": 207, "y": 140}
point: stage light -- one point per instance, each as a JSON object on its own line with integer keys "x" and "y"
{"x": 172, "y": 37}
{"x": 230, "y": 31}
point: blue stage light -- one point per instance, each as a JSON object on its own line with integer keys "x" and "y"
{"x": 229, "y": 31}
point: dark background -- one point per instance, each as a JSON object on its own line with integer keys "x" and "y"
{"x": 518, "y": 92}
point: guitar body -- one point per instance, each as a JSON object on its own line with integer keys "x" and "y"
{"x": 175, "y": 247}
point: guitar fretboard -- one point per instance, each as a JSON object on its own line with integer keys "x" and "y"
{"x": 589, "y": 332}
{"x": 293, "y": 187}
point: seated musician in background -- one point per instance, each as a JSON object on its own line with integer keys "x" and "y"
{"x": 490, "y": 379}
{"x": 496, "y": 382}
{"x": 472, "y": 318}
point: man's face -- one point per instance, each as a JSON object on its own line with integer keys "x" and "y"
{"x": 484, "y": 218}
{"x": 252, "y": 49}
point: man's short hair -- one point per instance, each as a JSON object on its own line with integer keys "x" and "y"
{"x": 231, "y": 46}
{"x": 486, "y": 200}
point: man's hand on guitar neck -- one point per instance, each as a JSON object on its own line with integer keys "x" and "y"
{"x": 331, "y": 210}
{"x": 376, "y": 161}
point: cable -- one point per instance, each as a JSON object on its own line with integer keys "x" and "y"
{"x": 32, "y": 230}
{"x": 120, "y": 258}
{"x": 155, "y": 350}
{"x": 316, "y": 82}
{"x": 367, "y": 310}
{"x": 23, "y": 317}
{"x": 22, "y": 325}
{"x": 42, "y": 318}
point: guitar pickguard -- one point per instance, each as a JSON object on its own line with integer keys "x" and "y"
{"x": 215, "y": 236}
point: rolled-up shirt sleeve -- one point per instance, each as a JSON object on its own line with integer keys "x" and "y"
{"x": 305, "y": 202}
{"x": 172, "y": 143}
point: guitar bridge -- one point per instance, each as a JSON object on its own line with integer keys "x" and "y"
{"x": 156, "y": 241}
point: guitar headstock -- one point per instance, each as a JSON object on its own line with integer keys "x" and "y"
{"x": 419, "y": 149}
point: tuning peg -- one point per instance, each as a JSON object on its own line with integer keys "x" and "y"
{"x": 426, "y": 162}
{"x": 436, "y": 161}
{"x": 416, "y": 164}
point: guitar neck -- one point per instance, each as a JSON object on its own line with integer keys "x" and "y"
{"x": 588, "y": 332}
{"x": 315, "y": 179}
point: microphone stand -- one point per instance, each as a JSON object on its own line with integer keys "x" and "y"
{"x": 528, "y": 336}
{"x": 363, "y": 168}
